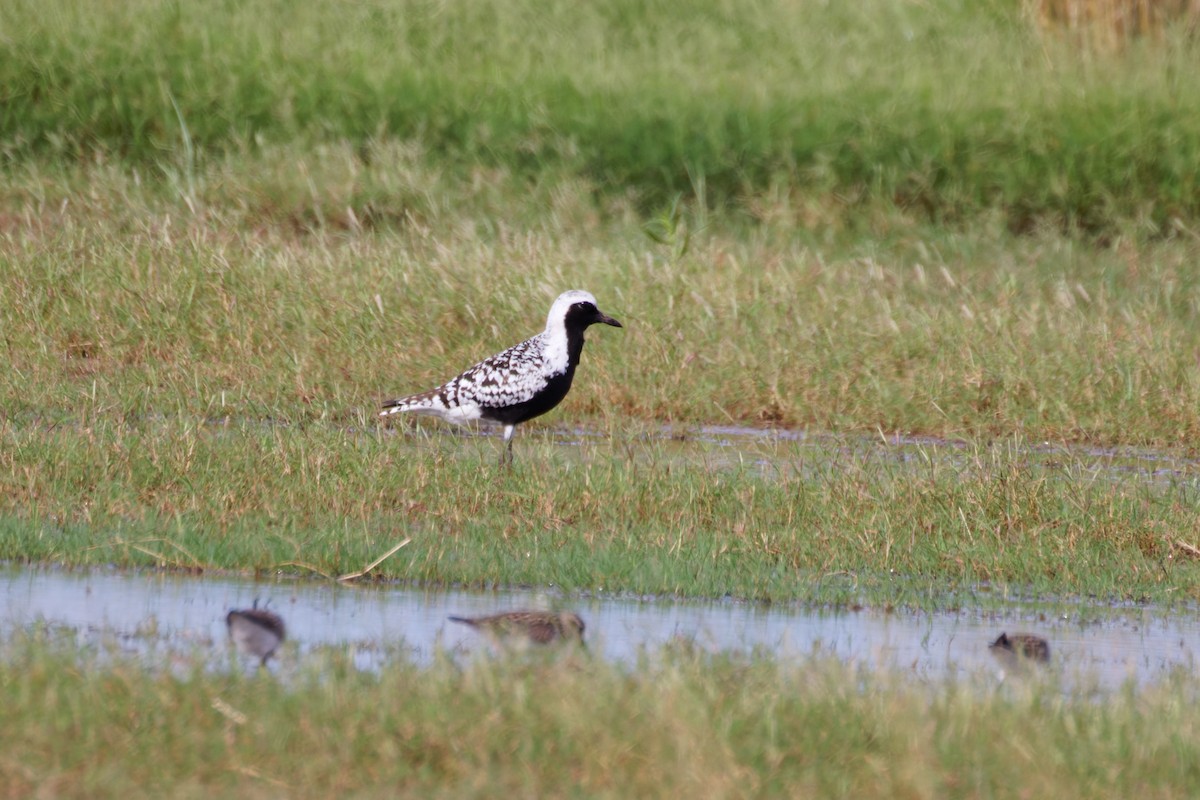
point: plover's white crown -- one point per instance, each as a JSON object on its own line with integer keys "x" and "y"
{"x": 521, "y": 382}
{"x": 555, "y": 355}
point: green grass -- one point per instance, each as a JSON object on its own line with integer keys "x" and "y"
{"x": 682, "y": 724}
{"x": 947, "y": 109}
{"x": 227, "y": 232}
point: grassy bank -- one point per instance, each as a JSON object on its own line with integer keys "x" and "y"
{"x": 683, "y": 724}
{"x": 945, "y": 109}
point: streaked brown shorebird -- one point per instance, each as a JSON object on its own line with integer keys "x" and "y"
{"x": 538, "y": 627}
{"x": 1021, "y": 645}
{"x": 256, "y": 631}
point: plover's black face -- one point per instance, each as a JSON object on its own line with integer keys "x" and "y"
{"x": 583, "y": 314}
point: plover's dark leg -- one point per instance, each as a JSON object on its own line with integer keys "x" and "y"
{"x": 506, "y": 456}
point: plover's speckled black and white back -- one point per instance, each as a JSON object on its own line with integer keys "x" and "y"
{"x": 523, "y": 382}
{"x": 256, "y": 631}
{"x": 538, "y": 627}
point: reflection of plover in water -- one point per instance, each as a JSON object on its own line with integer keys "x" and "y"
{"x": 1021, "y": 646}
{"x": 256, "y": 631}
{"x": 539, "y": 627}
{"x": 523, "y": 382}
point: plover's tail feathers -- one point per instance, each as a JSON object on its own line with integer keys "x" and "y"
{"x": 445, "y": 402}
{"x": 464, "y": 621}
{"x": 430, "y": 402}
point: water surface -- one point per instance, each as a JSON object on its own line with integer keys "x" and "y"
{"x": 151, "y": 613}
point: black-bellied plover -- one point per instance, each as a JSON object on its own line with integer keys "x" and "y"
{"x": 1021, "y": 645}
{"x": 539, "y": 627}
{"x": 256, "y": 631}
{"x": 524, "y": 381}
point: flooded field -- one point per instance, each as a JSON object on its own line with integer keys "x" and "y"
{"x": 763, "y": 447}
{"x": 777, "y": 449}
{"x": 776, "y": 452}
{"x": 161, "y": 616}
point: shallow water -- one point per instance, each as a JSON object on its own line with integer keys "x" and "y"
{"x": 777, "y": 452}
{"x": 761, "y": 446}
{"x": 154, "y": 613}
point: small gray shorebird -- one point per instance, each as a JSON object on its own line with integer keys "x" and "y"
{"x": 256, "y": 631}
{"x": 538, "y": 627}
{"x": 1021, "y": 645}
{"x": 520, "y": 383}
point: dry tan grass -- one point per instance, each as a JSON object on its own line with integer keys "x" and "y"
{"x": 1110, "y": 25}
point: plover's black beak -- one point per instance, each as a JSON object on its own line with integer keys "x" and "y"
{"x": 607, "y": 320}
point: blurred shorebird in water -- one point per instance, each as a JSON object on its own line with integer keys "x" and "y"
{"x": 256, "y": 631}
{"x": 1024, "y": 646}
{"x": 537, "y": 627}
